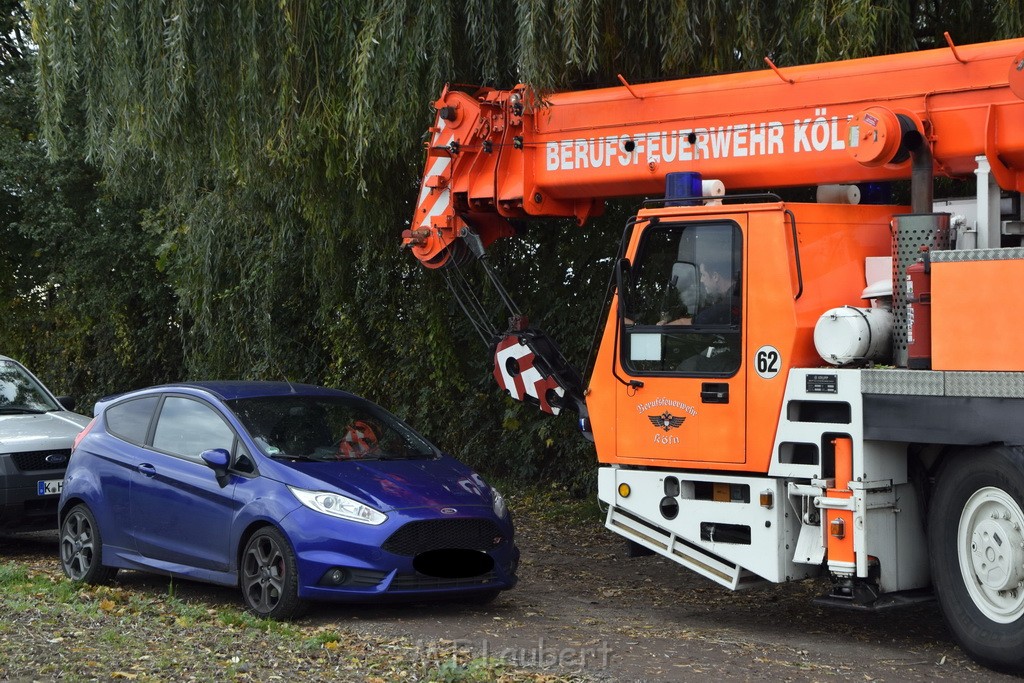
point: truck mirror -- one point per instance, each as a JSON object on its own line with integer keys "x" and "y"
{"x": 622, "y": 267}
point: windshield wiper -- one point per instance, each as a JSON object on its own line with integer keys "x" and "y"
{"x": 13, "y": 410}
{"x": 286, "y": 456}
{"x": 410, "y": 455}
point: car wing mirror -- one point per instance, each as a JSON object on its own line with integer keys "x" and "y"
{"x": 218, "y": 460}
{"x": 67, "y": 402}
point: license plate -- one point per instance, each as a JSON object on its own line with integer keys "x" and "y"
{"x": 50, "y": 487}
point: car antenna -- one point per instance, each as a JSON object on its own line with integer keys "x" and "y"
{"x": 277, "y": 367}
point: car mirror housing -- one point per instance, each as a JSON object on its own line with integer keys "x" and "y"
{"x": 218, "y": 459}
{"x": 67, "y": 402}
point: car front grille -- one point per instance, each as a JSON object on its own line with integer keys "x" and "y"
{"x": 364, "y": 578}
{"x": 32, "y": 461}
{"x": 411, "y": 582}
{"x": 437, "y": 534}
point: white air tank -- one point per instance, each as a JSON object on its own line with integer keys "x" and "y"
{"x": 850, "y": 335}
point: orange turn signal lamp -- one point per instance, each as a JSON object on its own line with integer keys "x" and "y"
{"x": 837, "y": 528}
{"x": 624, "y": 490}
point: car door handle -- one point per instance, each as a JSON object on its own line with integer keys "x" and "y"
{"x": 147, "y": 470}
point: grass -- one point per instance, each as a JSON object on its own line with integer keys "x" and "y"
{"x": 479, "y": 669}
{"x": 53, "y": 628}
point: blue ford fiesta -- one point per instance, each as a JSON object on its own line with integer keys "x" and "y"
{"x": 291, "y": 492}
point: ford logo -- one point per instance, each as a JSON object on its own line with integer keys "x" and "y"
{"x": 56, "y": 459}
{"x": 448, "y": 511}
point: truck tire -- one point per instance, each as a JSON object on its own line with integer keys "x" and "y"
{"x": 976, "y": 549}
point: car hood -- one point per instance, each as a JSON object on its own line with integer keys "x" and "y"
{"x": 38, "y": 432}
{"x": 392, "y": 484}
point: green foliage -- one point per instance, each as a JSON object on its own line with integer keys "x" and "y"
{"x": 12, "y": 575}
{"x": 477, "y": 670}
{"x": 259, "y": 161}
{"x": 83, "y": 304}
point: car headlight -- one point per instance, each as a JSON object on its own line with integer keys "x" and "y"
{"x": 500, "y": 508}
{"x": 337, "y": 505}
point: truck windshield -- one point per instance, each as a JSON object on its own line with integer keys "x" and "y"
{"x": 21, "y": 393}
{"x": 683, "y": 301}
{"x": 328, "y": 428}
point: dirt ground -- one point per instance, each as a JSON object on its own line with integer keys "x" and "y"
{"x": 584, "y": 609}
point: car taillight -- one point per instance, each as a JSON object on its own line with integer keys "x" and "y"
{"x": 81, "y": 434}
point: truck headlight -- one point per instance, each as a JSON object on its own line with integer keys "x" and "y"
{"x": 336, "y": 505}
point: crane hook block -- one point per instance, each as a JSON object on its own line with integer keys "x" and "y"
{"x": 522, "y": 367}
{"x": 517, "y": 372}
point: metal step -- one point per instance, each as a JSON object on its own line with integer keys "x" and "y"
{"x": 679, "y": 550}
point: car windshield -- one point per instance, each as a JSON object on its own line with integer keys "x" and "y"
{"x": 20, "y": 392}
{"x": 327, "y": 428}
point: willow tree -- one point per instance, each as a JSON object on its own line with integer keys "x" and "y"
{"x": 81, "y": 302}
{"x": 286, "y": 137}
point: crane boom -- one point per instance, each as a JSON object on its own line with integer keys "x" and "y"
{"x": 498, "y": 154}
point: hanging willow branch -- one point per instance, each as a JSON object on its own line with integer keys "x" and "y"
{"x": 284, "y": 139}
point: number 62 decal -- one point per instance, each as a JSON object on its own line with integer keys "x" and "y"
{"x": 767, "y": 361}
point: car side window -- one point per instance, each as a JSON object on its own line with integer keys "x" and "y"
{"x": 130, "y": 420}
{"x": 187, "y": 427}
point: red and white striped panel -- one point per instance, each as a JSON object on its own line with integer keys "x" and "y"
{"x": 438, "y": 201}
{"x": 523, "y": 379}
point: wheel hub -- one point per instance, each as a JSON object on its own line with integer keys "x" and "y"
{"x": 996, "y": 554}
{"x": 991, "y": 553}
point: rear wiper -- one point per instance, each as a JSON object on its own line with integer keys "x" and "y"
{"x": 21, "y": 411}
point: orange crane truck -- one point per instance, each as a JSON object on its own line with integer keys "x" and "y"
{"x": 782, "y": 390}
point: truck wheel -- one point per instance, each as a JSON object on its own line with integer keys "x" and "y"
{"x": 81, "y": 548}
{"x": 976, "y": 547}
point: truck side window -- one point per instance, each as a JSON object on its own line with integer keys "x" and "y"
{"x": 685, "y": 298}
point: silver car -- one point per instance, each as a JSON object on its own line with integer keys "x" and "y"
{"x": 36, "y": 435}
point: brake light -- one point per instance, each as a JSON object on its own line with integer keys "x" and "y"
{"x": 81, "y": 434}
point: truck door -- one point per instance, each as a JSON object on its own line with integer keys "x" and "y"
{"x": 682, "y": 339}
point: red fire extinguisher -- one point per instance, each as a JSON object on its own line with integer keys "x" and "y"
{"x": 919, "y": 313}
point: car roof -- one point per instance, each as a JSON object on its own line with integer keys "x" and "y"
{"x": 233, "y": 389}
{"x": 228, "y": 390}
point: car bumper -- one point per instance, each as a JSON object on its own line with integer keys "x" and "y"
{"x": 420, "y": 555}
{"x": 22, "y": 508}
